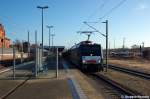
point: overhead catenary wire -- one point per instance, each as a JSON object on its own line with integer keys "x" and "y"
{"x": 112, "y": 9}
{"x": 100, "y": 7}
{"x": 107, "y": 13}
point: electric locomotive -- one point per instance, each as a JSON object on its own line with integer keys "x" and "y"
{"x": 87, "y": 56}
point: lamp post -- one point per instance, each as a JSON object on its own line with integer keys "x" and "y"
{"x": 42, "y": 8}
{"x": 49, "y": 27}
{"x": 52, "y": 38}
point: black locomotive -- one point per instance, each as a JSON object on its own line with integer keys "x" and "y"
{"x": 86, "y": 55}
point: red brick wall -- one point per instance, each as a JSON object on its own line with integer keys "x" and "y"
{"x": 3, "y": 41}
{"x": 7, "y": 43}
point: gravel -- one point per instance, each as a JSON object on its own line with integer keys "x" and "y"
{"x": 135, "y": 83}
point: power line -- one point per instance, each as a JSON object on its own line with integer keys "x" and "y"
{"x": 112, "y": 9}
{"x": 98, "y": 9}
{"x": 95, "y": 11}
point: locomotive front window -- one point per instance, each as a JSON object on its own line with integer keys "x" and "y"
{"x": 90, "y": 50}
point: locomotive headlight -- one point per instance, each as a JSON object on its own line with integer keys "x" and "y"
{"x": 83, "y": 61}
{"x": 99, "y": 61}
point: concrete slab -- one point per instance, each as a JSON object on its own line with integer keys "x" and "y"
{"x": 7, "y": 85}
{"x": 43, "y": 89}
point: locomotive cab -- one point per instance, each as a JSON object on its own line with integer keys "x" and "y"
{"x": 91, "y": 57}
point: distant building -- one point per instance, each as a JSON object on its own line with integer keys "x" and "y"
{"x": 146, "y": 52}
{"x": 4, "y": 41}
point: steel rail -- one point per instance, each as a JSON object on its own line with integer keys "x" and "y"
{"x": 131, "y": 71}
{"x": 117, "y": 86}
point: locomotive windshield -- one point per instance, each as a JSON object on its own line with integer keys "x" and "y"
{"x": 88, "y": 50}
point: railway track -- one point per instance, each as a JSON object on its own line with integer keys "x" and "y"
{"x": 110, "y": 88}
{"x": 119, "y": 90}
{"x": 131, "y": 72}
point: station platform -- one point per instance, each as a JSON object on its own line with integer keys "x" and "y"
{"x": 47, "y": 86}
{"x": 42, "y": 89}
{"x": 44, "y": 86}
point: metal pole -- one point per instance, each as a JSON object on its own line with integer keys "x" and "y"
{"x": 123, "y": 43}
{"x": 42, "y": 8}
{"x": 142, "y": 48}
{"x": 109, "y": 49}
{"x": 49, "y": 28}
{"x": 114, "y": 44}
{"x": 2, "y": 50}
{"x": 40, "y": 60}
{"x": 22, "y": 52}
{"x": 39, "y": 63}
{"x": 52, "y": 40}
{"x": 36, "y": 57}
{"x": 42, "y": 40}
{"x": 106, "y": 45}
{"x": 49, "y": 39}
{"x": 14, "y": 61}
{"x": 57, "y": 64}
{"x": 28, "y": 44}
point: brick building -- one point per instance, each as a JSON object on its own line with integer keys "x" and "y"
{"x": 4, "y": 41}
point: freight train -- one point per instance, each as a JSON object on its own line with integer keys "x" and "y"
{"x": 86, "y": 55}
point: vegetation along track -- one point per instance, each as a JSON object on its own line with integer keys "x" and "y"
{"x": 131, "y": 72}
{"x": 119, "y": 89}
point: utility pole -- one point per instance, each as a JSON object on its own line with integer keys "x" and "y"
{"x": 49, "y": 27}
{"x": 28, "y": 44}
{"x": 57, "y": 62}
{"x": 2, "y": 50}
{"x": 142, "y": 49}
{"x": 52, "y": 38}
{"x": 114, "y": 44}
{"x": 36, "y": 57}
{"x": 123, "y": 43}
{"x": 143, "y": 44}
{"x": 14, "y": 61}
{"x": 106, "y": 22}
{"x": 35, "y": 38}
{"x": 22, "y": 51}
{"x": 109, "y": 48}
{"x": 42, "y": 8}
